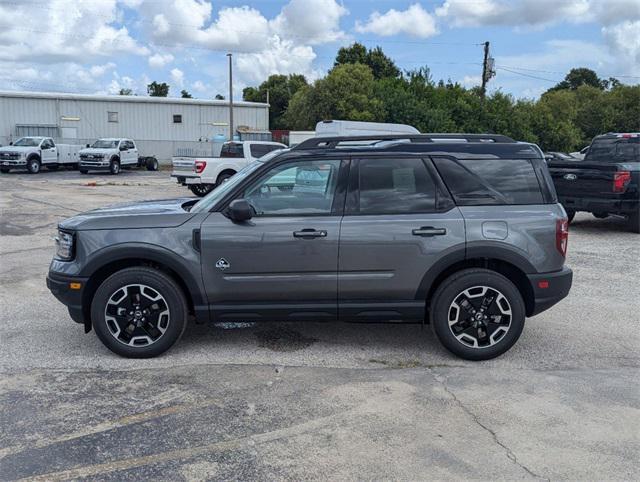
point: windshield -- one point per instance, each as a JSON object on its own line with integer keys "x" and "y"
{"x": 28, "y": 142}
{"x": 104, "y": 144}
{"x": 207, "y": 202}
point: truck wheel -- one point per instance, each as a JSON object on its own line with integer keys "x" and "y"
{"x": 139, "y": 312}
{"x": 152, "y": 164}
{"x": 225, "y": 176}
{"x": 477, "y": 314}
{"x": 201, "y": 189}
{"x": 570, "y": 214}
{"x": 633, "y": 222}
{"x": 114, "y": 166}
{"x": 33, "y": 165}
{"x": 600, "y": 215}
{"x": 4, "y": 170}
{"x": 52, "y": 167}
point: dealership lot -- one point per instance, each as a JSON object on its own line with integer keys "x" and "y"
{"x": 317, "y": 400}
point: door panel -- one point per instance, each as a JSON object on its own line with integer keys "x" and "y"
{"x": 399, "y": 221}
{"x": 260, "y": 270}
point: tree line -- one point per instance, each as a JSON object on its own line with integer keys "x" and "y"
{"x": 366, "y": 85}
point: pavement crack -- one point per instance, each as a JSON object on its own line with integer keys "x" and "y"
{"x": 39, "y": 201}
{"x": 509, "y": 453}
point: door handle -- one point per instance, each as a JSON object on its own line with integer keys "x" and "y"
{"x": 310, "y": 234}
{"x": 428, "y": 231}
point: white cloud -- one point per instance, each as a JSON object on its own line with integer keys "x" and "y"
{"x": 177, "y": 77}
{"x": 536, "y": 13}
{"x": 624, "y": 41}
{"x": 471, "y": 80}
{"x": 414, "y": 21}
{"x": 159, "y": 60}
{"x": 279, "y": 57}
{"x": 310, "y": 21}
{"x": 199, "y": 86}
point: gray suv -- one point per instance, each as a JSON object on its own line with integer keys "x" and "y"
{"x": 463, "y": 232}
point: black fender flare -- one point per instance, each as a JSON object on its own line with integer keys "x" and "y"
{"x": 484, "y": 250}
{"x": 152, "y": 253}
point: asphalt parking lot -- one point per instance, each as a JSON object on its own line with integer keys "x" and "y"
{"x": 311, "y": 401}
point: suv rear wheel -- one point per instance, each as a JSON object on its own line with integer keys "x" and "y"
{"x": 201, "y": 189}
{"x": 139, "y": 312}
{"x": 477, "y": 314}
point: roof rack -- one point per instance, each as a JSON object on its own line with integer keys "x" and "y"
{"x": 331, "y": 142}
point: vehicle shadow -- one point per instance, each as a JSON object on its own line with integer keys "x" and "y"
{"x": 588, "y": 224}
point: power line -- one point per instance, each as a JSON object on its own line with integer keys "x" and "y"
{"x": 527, "y": 75}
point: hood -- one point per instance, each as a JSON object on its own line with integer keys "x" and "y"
{"x": 17, "y": 149}
{"x": 164, "y": 213}
{"x": 100, "y": 152}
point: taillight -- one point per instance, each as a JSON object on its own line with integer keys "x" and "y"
{"x": 200, "y": 165}
{"x": 562, "y": 235}
{"x": 620, "y": 181}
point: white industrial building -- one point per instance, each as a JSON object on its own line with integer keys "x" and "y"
{"x": 159, "y": 125}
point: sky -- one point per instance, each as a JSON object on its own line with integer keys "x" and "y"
{"x": 102, "y": 46}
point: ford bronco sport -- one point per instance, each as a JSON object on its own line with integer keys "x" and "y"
{"x": 460, "y": 231}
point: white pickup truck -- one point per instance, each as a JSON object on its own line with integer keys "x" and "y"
{"x": 202, "y": 174}
{"x": 34, "y": 152}
{"x": 113, "y": 154}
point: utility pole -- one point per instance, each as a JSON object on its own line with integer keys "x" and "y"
{"x": 230, "y": 96}
{"x": 487, "y": 70}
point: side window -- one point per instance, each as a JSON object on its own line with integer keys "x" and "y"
{"x": 395, "y": 186}
{"x": 295, "y": 188}
{"x": 46, "y": 144}
{"x": 474, "y": 182}
{"x": 258, "y": 150}
{"x": 130, "y": 145}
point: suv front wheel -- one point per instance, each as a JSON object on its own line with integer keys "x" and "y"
{"x": 139, "y": 312}
{"x": 477, "y": 314}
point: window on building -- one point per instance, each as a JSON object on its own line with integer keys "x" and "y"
{"x": 112, "y": 116}
{"x": 177, "y": 118}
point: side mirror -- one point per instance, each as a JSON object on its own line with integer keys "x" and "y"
{"x": 240, "y": 210}
{"x": 88, "y": 146}
{"x": 11, "y": 143}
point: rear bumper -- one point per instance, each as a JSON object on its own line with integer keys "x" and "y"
{"x": 59, "y": 285}
{"x": 595, "y": 205}
{"x": 549, "y": 289}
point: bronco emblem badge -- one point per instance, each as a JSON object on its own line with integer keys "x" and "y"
{"x": 222, "y": 264}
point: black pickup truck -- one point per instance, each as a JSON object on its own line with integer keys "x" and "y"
{"x": 606, "y": 182}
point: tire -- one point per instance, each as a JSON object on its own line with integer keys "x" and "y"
{"x": 600, "y": 215}
{"x": 570, "y": 214}
{"x": 4, "y": 170}
{"x": 201, "y": 189}
{"x": 152, "y": 164}
{"x": 52, "y": 167}
{"x": 225, "y": 176}
{"x": 33, "y": 165}
{"x": 114, "y": 167}
{"x": 633, "y": 222}
{"x": 146, "y": 339}
{"x": 488, "y": 344}
{"x": 84, "y": 171}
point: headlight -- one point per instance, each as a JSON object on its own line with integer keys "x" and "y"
{"x": 64, "y": 246}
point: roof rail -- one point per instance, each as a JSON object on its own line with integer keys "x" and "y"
{"x": 328, "y": 142}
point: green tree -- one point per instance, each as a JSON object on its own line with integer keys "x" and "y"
{"x": 280, "y": 88}
{"x": 347, "y": 92}
{"x": 219, "y": 97}
{"x": 125, "y": 92}
{"x": 381, "y": 65}
{"x": 155, "y": 89}
{"x": 185, "y": 95}
{"x": 581, "y": 76}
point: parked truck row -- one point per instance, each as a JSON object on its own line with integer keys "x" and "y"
{"x": 112, "y": 154}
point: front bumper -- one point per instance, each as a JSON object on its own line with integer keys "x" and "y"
{"x": 600, "y": 205}
{"x": 59, "y": 285}
{"x": 549, "y": 289}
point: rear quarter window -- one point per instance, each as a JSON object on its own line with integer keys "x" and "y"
{"x": 474, "y": 182}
